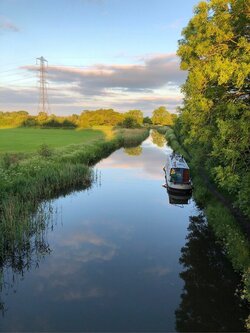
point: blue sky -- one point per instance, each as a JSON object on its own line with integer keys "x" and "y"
{"x": 101, "y": 53}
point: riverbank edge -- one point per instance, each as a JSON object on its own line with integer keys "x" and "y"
{"x": 35, "y": 178}
{"x": 228, "y": 230}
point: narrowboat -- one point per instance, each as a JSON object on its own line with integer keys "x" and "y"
{"x": 177, "y": 174}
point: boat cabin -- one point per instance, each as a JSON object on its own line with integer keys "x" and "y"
{"x": 177, "y": 173}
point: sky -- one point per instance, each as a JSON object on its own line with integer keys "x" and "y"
{"x": 101, "y": 54}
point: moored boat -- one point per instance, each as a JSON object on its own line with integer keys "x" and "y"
{"x": 177, "y": 174}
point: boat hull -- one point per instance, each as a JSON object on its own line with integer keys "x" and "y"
{"x": 179, "y": 188}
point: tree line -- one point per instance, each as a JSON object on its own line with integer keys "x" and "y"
{"x": 214, "y": 123}
{"x": 87, "y": 119}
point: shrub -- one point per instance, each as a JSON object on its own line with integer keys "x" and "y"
{"x": 8, "y": 159}
{"x": 129, "y": 122}
{"x": 45, "y": 151}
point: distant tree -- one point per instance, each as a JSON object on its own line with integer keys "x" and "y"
{"x": 42, "y": 117}
{"x": 30, "y": 122}
{"x": 135, "y": 114}
{"x": 13, "y": 119}
{"x": 129, "y": 122}
{"x": 147, "y": 120}
{"x": 51, "y": 123}
{"x": 161, "y": 117}
{"x": 107, "y": 117}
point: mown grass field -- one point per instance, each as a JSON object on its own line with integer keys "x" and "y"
{"x": 29, "y": 139}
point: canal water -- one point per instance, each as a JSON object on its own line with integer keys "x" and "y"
{"x": 122, "y": 256}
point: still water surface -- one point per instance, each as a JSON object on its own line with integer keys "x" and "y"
{"x": 116, "y": 258}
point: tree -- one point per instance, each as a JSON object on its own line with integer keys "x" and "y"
{"x": 129, "y": 122}
{"x": 215, "y": 119}
{"x": 161, "y": 117}
{"x": 135, "y": 114}
{"x": 147, "y": 120}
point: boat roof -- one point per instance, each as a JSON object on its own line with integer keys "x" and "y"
{"x": 177, "y": 161}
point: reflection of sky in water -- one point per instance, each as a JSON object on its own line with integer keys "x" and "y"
{"x": 114, "y": 261}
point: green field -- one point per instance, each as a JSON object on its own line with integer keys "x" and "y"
{"x": 29, "y": 139}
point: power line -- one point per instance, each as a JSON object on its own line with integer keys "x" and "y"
{"x": 43, "y": 91}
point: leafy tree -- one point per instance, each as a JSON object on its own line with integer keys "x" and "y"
{"x": 129, "y": 122}
{"x": 147, "y": 120}
{"x": 99, "y": 117}
{"x": 42, "y": 117}
{"x": 135, "y": 114}
{"x": 215, "y": 119}
{"x": 161, "y": 117}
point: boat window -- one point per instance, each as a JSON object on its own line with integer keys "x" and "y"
{"x": 179, "y": 175}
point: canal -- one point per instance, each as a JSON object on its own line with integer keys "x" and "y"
{"x": 122, "y": 256}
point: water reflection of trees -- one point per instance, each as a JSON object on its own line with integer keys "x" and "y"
{"x": 22, "y": 247}
{"x": 133, "y": 151}
{"x": 157, "y": 138}
{"x": 210, "y": 301}
{"x": 23, "y": 236}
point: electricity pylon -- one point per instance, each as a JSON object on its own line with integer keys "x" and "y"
{"x": 43, "y": 91}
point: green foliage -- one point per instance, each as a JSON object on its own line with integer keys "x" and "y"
{"x": 13, "y": 119}
{"x": 132, "y": 137}
{"x": 99, "y": 117}
{"x": 129, "y": 122}
{"x": 137, "y": 115}
{"x": 30, "y": 122}
{"x": 162, "y": 117}
{"x": 215, "y": 121}
{"x": 45, "y": 151}
{"x": 8, "y": 160}
{"x": 147, "y": 120}
{"x": 36, "y": 176}
{"x": 219, "y": 218}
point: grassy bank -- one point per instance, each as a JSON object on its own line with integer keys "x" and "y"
{"x": 27, "y": 179}
{"x": 225, "y": 226}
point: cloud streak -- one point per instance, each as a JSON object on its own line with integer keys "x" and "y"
{"x": 156, "y": 72}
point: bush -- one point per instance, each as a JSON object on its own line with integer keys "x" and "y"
{"x": 45, "y": 151}
{"x": 8, "y": 159}
{"x": 68, "y": 124}
{"x": 51, "y": 123}
{"x": 129, "y": 122}
{"x": 30, "y": 122}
